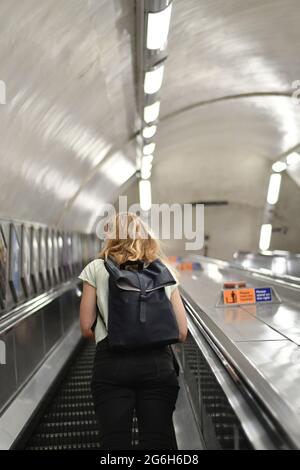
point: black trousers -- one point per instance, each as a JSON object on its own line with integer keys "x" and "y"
{"x": 143, "y": 381}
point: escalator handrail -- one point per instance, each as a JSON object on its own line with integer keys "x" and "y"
{"x": 29, "y": 307}
{"x": 258, "y": 401}
{"x": 283, "y": 280}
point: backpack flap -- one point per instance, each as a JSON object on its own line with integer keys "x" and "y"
{"x": 159, "y": 274}
{"x": 140, "y": 313}
{"x": 125, "y": 279}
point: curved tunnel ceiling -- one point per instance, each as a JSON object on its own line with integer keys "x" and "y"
{"x": 221, "y": 151}
{"x": 220, "y": 48}
{"x": 67, "y": 130}
{"x": 69, "y": 72}
{"x": 226, "y": 111}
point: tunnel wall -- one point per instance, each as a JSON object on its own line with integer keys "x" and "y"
{"x": 39, "y": 295}
{"x": 236, "y": 226}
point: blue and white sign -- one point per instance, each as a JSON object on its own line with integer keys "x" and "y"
{"x": 263, "y": 294}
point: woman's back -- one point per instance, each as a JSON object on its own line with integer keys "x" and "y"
{"x": 97, "y": 276}
{"x": 144, "y": 380}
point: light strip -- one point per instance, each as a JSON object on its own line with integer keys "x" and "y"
{"x": 145, "y": 173}
{"x": 293, "y": 158}
{"x": 274, "y": 188}
{"x": 147, "y": 158}
{"x": 158, "y": 28}
{"x": 153, "y": 80}
{"x": 149, "y": 149}
{"x": 145, "y": 194}
{"x": 265, "y": 236}
{"x": 151, "y": 112}
{"x": 279, "y": 166}
{"x": 149, "y": 131}
{"x": 146, "y": 165}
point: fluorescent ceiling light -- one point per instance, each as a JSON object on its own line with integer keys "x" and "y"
{"x": 151, "y": 112}
{"x": 274, "y": 188}
{"x": 265, "y": 236}
{"x": 145, "y": 194}
{"x": 146, "y": 165}
{"x": 145, "y": 173}
{"x": 293, "y": 158}
{"x": 148, "y": 149}
{"x": 158, "y": 28}
{"x": 279, "y": 166}
{"x": 149, "y": 131}
{"x": 147, "y": 159}
{"x": 153, "y": 80}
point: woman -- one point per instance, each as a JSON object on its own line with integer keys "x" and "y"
{"x": 144, "y": 381}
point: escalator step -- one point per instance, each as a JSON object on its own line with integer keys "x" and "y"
{"x": 76, "y": 446}
{"x": 67, "y": 426}
{"x": 68, "y": 416}
{"x": 66, "y": 437}
{"x": 213, "y": 402}
{"x": 69, "y": 422}
{"x": 69, "y": 398}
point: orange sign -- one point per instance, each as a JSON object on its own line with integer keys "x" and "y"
{"x": 239, "y": 296}
{"x": 186, "y": 266}
{"x": 246, "y": 296}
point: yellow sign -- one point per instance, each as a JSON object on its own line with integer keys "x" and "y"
{"x": 239, "y": 296}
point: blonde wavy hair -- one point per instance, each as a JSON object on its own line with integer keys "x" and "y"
{"x": 129, "y": 238}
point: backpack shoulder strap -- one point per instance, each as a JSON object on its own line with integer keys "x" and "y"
{"x": 112, "y": 267}
{"x": 101, "y": 318}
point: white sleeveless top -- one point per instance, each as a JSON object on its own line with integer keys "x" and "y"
{"x": 96, "y": 275}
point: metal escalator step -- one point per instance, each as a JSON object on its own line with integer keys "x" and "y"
{"x": 70, "y": 390}
{"x": 76, "y": 382}
{"x": 68, "y": 416}
{"x": 76, "y": 388}
{"x": 210, "y": 390}
{"x": 72, "y": 406}
{"x": 80, "y": 376}
{"x": 67, "y": 426}
{"x": 77, "y": 446}
{"x": 70, "y": 438}
{"x": 69, "y": 422}
{"x": 66, "y": 398}
{"x": 85, "y": 395}
{"x": 214, "y": 404}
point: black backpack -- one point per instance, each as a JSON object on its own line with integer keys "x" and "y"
{"x": 140, "y": 315}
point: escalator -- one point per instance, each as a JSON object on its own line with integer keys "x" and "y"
{"x": 68, "y": 421}
{"x": 221, "y": 411}
{"x": 217, "y": 421}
